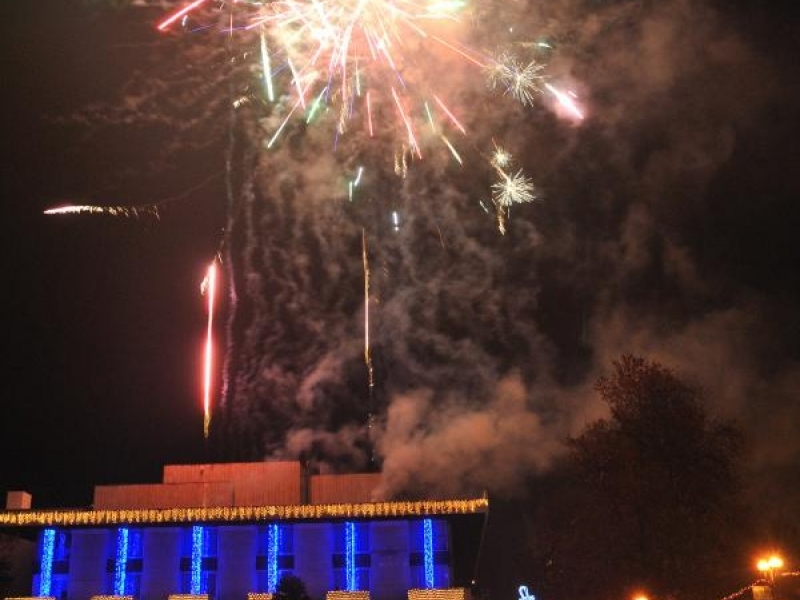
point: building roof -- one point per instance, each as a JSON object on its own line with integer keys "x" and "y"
{"x": 235, "y": 493}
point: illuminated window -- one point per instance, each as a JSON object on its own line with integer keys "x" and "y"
{"x": 46, "y": 561}
{"x": 275, "y": 555}
{"x": 351, "y": 556}
{"x": 52, "y": 574}
{"x": 124, "y": 565}
{"x": 429, "y": 559}
{"x": 199, "y": 560}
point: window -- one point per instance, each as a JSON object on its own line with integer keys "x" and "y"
{"x": 53, "y": 570}
{"x": 351, "y": 556}
{"x": 429, "y": 559}
{"x": 124, "y": 565}
{"x": 199, "y": 560}
{"x": 274, "y": 556}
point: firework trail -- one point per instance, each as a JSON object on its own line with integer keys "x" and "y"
{"x": 208, "y": 288}
{"x": 115, "y": 211}
{"x": 367, "y": 353}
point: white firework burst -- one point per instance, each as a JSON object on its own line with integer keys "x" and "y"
{"x": 521, "y": 81}
{"x": 513, "y": 188}
{"x": 501, "y": 158}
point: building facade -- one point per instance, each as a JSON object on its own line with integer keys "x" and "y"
{"x": 230, "y": 531}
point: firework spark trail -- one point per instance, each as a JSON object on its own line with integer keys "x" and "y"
{"x": 404, "y": 117}
{"x": 566, "y": 101}
{"x": 208, "y": 288}
{"x": 450, "y": 114}
{"x": 266, "y": 66}
{"x": 178, "y": 14}
{"x": 367, "y": 355}
{"x": 115, "y": 211}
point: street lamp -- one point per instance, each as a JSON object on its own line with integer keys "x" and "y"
{"x": 768, "y": 566}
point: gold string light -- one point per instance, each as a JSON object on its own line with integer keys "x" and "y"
{"x": 438, "y": 594}
{"x": 347, "y": 595}
{"x": 227, "y": 514}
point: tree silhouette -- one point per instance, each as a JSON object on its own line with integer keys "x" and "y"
{"x": 291, "y": 587}
{"x": 652, "y": 500}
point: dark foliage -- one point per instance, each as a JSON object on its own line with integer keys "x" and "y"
{"x": 649, "y": 497}
{"x": 291, "y": 587}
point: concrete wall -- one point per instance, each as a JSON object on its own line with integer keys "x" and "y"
{"x": 389, "y": 574}
{"x": 158, "y": 495}
{"x": 161, "y": 549}
{"x": 236, "y": 575}
{"x": 313, "y": 551}
{"x": 343, "y": 489}
{"x": 87, "y": 575}
{"x": 232, "y": 484}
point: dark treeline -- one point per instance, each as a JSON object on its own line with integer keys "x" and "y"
{"x": 652, "y": 499}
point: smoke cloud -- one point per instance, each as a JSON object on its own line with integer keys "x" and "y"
{"x": 660, "y": 229}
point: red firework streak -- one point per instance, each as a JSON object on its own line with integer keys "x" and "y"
{"x": 209, "y": 288}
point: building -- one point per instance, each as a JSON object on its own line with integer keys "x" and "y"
{"x": 231, "y": 531}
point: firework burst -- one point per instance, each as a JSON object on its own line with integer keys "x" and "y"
{"x": 512, "y": 188}
{"x": 520, "y": 80}
{"x": 369, "y": 70}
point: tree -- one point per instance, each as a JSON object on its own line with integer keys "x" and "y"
{"x": 654, "y": 496}
{"x": 291, "y": 587}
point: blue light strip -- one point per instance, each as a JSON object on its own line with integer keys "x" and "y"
{"x": 120, "y": 567}
{"x": 197, "y": 559}
{"x": 427, "y": 549}
{"x": 46, "y": 570}
{"x": 350, "y": 556}
{"x": 273, "y": 546}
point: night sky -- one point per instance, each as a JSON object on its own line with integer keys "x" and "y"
{"x": 667, "y": 225}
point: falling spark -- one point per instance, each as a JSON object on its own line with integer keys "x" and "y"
{"x": 267, "y": 69}
{"x": 280, "y": 129}
{"x": 450, "y": 114}
{"x": 452, "y": 150}
{"x": 430, "y": 117}
{"x": 115, "y": 211}
{"x": 411, "y": 139}
{"x": 177, "y": 15}
{"x": 208, "y": 288}
{"x": 566, "y": 101}
{"x": 367, "y": 355}
{"x": 369, "y": 114}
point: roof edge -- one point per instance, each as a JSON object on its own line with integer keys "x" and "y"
{"x": 236, "y": 514}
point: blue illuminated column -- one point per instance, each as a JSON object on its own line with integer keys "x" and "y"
{"x": 46, "y": 564}
{"x": 350, "y": 544}
{"x": 273, "y": 547}
{"x": 121, "y": 563}
{"x": 197, "y": 559}
{"x": 427, "y": 550}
